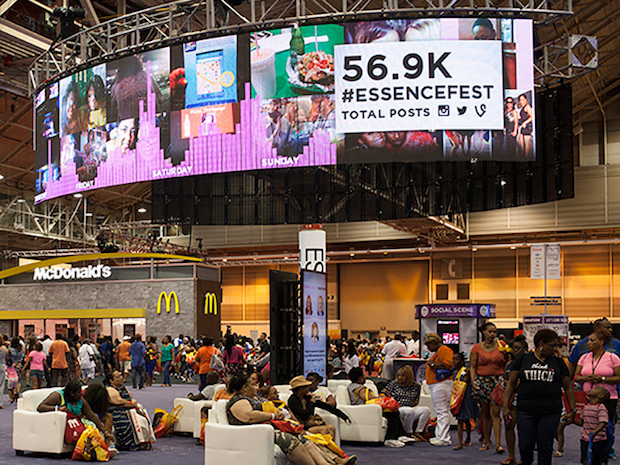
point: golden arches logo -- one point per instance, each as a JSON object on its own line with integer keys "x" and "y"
{"x": 167, "y": 298}
{"x": 210, "y": 303}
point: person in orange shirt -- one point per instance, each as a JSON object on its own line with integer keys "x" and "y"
{"x": 58, "y": 350}
{"x": 439, "y": 380}
{"x": 203, "y": 359}
{"x": 124, "y": 359}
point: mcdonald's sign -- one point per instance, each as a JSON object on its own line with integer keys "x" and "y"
{"x": 167, "y": 299}
{"x": 210, "y": 303}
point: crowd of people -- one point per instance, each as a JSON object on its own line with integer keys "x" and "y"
{"x": 505, "y": 384}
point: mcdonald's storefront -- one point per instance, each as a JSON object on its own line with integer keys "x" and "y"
{"x": 91, "y": 300}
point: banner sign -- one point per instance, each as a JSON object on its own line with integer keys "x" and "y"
{"x": 313, "y": 249}
{"x": 533, "y": 324}
{"x": 455, "y": 311}
{"x": 314, "y": 322}
{"x": 545, "y": 261}
{"x": 440, "y": 84}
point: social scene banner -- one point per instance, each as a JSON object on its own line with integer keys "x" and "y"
{"x": 434, "y": 85}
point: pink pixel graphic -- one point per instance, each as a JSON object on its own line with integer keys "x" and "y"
{"x": 210, "y": 152}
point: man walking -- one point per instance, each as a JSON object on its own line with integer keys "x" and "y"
{"x": 58, "y": 350}
{"x": 137, "y": 351}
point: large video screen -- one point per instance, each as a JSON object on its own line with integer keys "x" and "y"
{"x": 444, "y": 89}
{"x": 314, "y": 322}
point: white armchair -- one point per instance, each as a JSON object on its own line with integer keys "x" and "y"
{"x": 367, "y": 422}
{"x": 38, "y": 432}
{"x": 189, "y": 417}
{"x": 239, "y": 444}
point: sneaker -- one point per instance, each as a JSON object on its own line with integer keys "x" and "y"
{"x": 406, "y": 439}
{"x": 439, "y": 442}
{"x": 113, "y": 452}
{"x": 394, "y": 443}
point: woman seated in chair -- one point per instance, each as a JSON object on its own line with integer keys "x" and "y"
{"x": 407, "y": 393}
{"x": 120, "y": 402}
{"x": 302, "y": 404}
{"x": 244, "y": 409}
{"x": 359, "y": 394}
{"x": 70, "y": 400}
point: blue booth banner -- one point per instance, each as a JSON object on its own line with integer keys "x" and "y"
{"x": 455, "y": 311}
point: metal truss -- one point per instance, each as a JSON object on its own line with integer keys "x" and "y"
{"x": 568, "y": 57}
{"x": 55, "y": 220}
{"x": 188, "y": 19}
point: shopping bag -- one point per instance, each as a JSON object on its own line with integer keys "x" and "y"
{"x": 581, "y": 400}
{"x": 387, "y": 403}
{"x": 91, "y": 447}
{"x": 142, "y": 429}
{"x": 458, "y": 393}
{"x": 216, "y": 362}
{"x": 163, "y": 422}
{"x": 73, "y": 429}
{"x": 288, "y": 426}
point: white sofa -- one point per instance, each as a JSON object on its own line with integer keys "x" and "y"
{"x": 226, "y": 444}
{"x": 367, "y": 422}
{"x": 189, "y": 416}
{"x": 38, "y": 432}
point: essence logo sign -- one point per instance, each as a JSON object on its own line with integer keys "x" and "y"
{"x": 85, "y": 272}
{"x": 210, "y": 304}
{"x": 167, "y": 300}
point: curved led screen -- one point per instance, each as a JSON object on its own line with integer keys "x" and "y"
{"x": 448, "y": 89}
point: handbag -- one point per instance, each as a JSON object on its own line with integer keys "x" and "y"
{"x": 387, "y": 403}
{"x": 91, "y": 447}
{"x": 288, "y": 426}
{"x": 73, "y": 429}
{"x": 458, "y": 393}
{"x": 163, "y": 422}
{"x": 216, "y": 362}
{"x": 497, "y": 394}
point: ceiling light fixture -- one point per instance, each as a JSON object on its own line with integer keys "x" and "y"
{"x": 78, "y": 195}
{"x": 1, "y": 177}
{"x": 88, "y": 214}
{"x": 141, "y": 210}
{"x": 21, "y": 200}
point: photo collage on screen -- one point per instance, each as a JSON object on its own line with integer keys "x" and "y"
{"x": 204, "y": 93}
{"x": 263, "y": 100}
{"x": 292, "y": 72}
{"x": 46, "y": 137}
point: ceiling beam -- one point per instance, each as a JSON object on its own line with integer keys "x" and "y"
{"x": 6, "y": 5}
{"x": 25, "y": 36}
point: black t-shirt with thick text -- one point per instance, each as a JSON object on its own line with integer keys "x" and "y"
{"x": 540, "y": 387}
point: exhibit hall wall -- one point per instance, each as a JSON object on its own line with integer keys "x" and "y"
{"x": 366, "y": 296}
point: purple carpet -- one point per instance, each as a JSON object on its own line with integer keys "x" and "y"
{"x": 182, "y": 449}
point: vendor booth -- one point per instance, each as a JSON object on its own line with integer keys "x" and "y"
{"x": 121, "y": 294}
{"x": 456, "y": 324}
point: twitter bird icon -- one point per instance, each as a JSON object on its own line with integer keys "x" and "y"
{"x": 461, "y": 110}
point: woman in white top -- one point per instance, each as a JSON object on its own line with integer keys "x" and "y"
{"x": 351, "y": 360}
